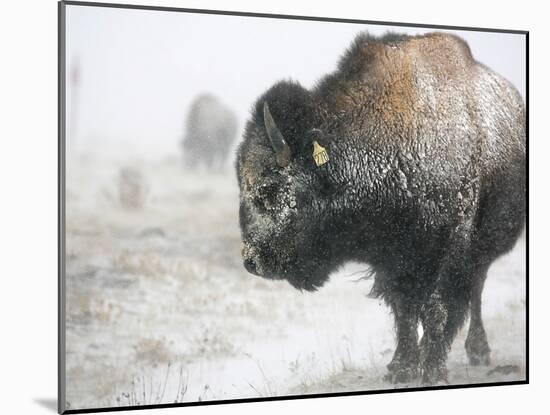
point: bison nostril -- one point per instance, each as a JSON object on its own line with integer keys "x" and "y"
{"x": 250, "y": 265}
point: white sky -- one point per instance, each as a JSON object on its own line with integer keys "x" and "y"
{"x": 140, "y": 69}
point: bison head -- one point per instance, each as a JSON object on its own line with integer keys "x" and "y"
{"x": 284, "y": 208}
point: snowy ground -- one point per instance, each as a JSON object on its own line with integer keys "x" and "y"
{"x": 160, "y": 309}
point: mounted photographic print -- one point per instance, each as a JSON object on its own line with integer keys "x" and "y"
{"x": 258, "y": 207}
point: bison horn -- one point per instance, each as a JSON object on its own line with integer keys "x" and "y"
{"x": 282, "y": 150}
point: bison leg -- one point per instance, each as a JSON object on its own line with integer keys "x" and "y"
{"x": 446, "y": 308}
{"x": 443, "y": 315}
{"x": 476, "y": 345}
{"x": 433, "y": 347}
{"x": 404, "y": 364}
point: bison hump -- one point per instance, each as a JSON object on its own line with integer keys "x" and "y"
{"x": 391, "y": 56}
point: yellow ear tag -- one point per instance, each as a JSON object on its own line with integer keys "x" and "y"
{"x": 320, "y": 154}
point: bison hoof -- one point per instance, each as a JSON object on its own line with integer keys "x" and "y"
{"x": 434, "y": 375}
{"x": 400, "y": 374}
{"x": 479, "y": 359}
{"x": 478, "y": 353}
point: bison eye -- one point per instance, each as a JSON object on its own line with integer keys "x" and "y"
{"x": 266, "y": 197}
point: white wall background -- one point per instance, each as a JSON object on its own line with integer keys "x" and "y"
{"x": 28, "y": 104}
{"x": 141, "y": 69}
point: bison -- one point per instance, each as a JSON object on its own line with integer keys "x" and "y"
{"x": 211, "y": 130}
{"x": 410, "y": 157}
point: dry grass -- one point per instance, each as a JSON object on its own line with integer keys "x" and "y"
{"x": 147, "y": 390}
{"x": 153, "y": 352}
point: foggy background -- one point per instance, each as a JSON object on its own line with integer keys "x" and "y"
{"x": 159, "y": 308}
{"x": 140, "y": 69}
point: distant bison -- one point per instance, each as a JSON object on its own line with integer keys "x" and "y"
{"x": 410, "y": 157}
{"x": 210, "y": 132}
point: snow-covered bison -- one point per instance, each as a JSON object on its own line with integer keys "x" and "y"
{"x": 211, "y": 130}
{"x": 410, "y": 157}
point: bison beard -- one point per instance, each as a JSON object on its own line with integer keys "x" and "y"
{"x": 425, "y": 182}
